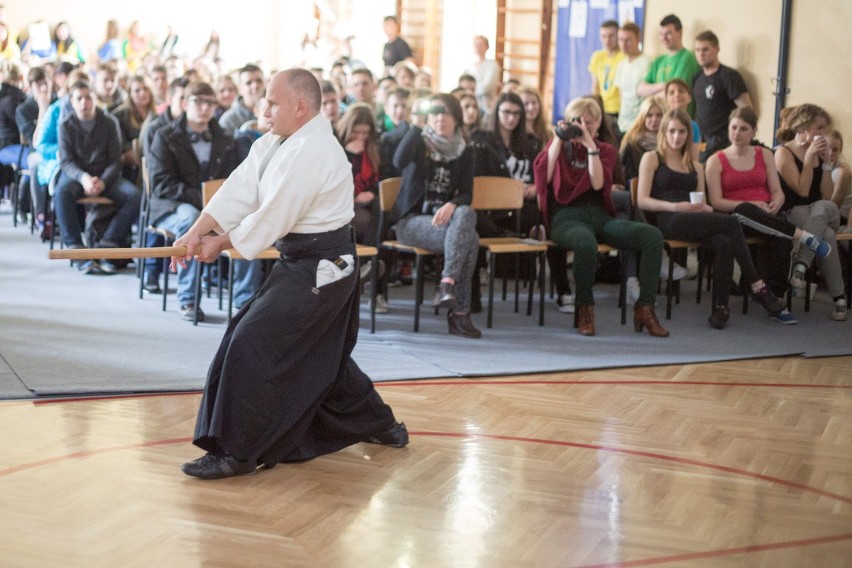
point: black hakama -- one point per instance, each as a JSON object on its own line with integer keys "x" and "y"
{"x": 283, "y": 386}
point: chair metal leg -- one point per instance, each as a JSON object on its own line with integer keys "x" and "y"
{"x": 491, "y": 261}
{"x": 166, "y": 270}
{"x": 418, "y": 293}
{"x": 374, "y": 283}
{"x": 669, "y": 288}
{"x": 542, "y": 261}
{"x": 230, "y": 289}
{"x": 219, "y": 268}
{"x": 197, "y": 291}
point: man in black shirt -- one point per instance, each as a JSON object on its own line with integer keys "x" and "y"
{"x": 396, "y": 49}
{"x": 717, "y": 90}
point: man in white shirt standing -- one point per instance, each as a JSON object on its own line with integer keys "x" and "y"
{"x": 486, "y": 72}
{"x": 629, "y": 73}
{"x": 283, "y": 386}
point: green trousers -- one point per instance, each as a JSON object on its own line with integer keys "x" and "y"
{"x": 582, "y": 227}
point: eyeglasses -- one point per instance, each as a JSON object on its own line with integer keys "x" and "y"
{"x": 506, "y": 112}
{"x": 202, "y": 101}
{"x": 438, "y": 109}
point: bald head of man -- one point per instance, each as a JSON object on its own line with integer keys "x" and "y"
{"x": 294, "y": 98}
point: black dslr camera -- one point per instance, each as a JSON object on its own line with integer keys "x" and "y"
{"x": 569, "y": 131}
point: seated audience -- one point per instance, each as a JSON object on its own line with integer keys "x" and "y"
{"x": 90, "y": 163}
{"x": 109, "y": 94}
{"x": 667, "y": 176}
{"x": 471, "y": 114}
{"x": 226, "y": 94}
{"x": 67, "y": 48}
{"x": 742, "y": 180}
{"x": 393, "y": 128}
{"x": 573, "y": 179}
{"x": 679, "y": 96}
{"x": 330, "y": 108}
{"x": 841, "y": 175}
{"x": 433, "y": 207}
{"x": 803, "y": 164}
{"x": 252, "y": 88}
{"x": 132, "y": 113}
{"x": 641, "y": 137}
{"x": 186, "y": 152}
{"x": 537, "y": 122}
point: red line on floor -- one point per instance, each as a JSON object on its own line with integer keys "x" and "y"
{"x": 639, "y": 453}
{"x": 87, "y": 453}
{"x": 428, "y": 383}
{"x": 724, "y": 552}
{"x": 663, "y": 457}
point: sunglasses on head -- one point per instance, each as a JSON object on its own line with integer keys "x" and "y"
{"x": 438, "y": 109}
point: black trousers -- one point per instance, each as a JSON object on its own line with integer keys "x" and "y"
{"x": 283, "y": 386}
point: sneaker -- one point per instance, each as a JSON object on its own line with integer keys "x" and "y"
{"x": 187, "y": 312}
{"x": 840, "y": 312}
{"x": 678, "y": 272}
{"x": 783, "y": 317}
{"x": 632, "y": 290}
{"x": 797, "y": 280}
{"x": 107, "y": 267}
{"x": 566, "y": 303}
{"x": 367, "y": 272}
{"x": 770, "y": 302}
{"x": 819, "y": 246}
{"x": 89, "y": 266}
{"x": 382, "y": 306}
{"x": 151, "y": 283}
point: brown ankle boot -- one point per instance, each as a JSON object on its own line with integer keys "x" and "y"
{"x": 644, "y": 316}
{"x": 460, "y": 324}
{"x": 586, "y": 320}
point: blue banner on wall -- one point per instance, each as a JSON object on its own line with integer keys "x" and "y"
{"x": 577, "y": 38}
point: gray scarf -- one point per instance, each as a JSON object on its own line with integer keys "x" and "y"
{"x": 442, "y": 149}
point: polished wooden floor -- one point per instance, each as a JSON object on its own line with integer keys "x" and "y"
{"x": 739, "y": 464}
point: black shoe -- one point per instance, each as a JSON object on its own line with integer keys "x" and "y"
{"x": 152, "y": 283}
{"x": 770, "y": 302}
{"x": 460, "y": 324}
{"x": 445, "y": 296}
{"x": 395, "y": 437}
{"x": 187, "y": 312}
{"x": 719, "y": 317}
{"x": 218, "y": 466}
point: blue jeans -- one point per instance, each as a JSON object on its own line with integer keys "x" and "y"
{"x": 179, "y": 222}
{"x": 71, "y": 216}
{"x": 10, "y": 154}
{"x": 247, "y": 279}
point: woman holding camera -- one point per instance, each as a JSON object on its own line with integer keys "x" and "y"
{"x": 573, "y": 178}
{"x": 433, "y": 207}
{"x": 667, "y": 178}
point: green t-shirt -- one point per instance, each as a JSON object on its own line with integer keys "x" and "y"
{"x": 680, "y": 65}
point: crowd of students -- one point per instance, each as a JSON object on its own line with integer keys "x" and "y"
{"x": 86, "y": 129}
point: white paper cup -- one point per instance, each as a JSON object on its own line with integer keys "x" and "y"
{"x": 696, "y": 197}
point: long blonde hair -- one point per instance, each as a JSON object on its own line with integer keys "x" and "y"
{"x": 662, "y": 144}
{"x": 539, "y": 126}
{"x": 637, "y": 130}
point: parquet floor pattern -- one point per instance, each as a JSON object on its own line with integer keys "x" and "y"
{"x": 737, "y": 464}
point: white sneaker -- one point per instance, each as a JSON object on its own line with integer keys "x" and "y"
{"x": 840, "y": 312}
{"x": 382, "y": 306}
{"x": 632, "y": 290}
{"x": 566, "y": 303}
{"x": 678, "y": 272}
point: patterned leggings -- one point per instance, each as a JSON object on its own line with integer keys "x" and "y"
{"x": 458, "y": 241}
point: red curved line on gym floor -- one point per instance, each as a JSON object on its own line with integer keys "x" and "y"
{"x": 428, "y": 383}
{"x": 725, "y": 552}
{"x": 457, "y": 382}
{"x": 663, "y": 457}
